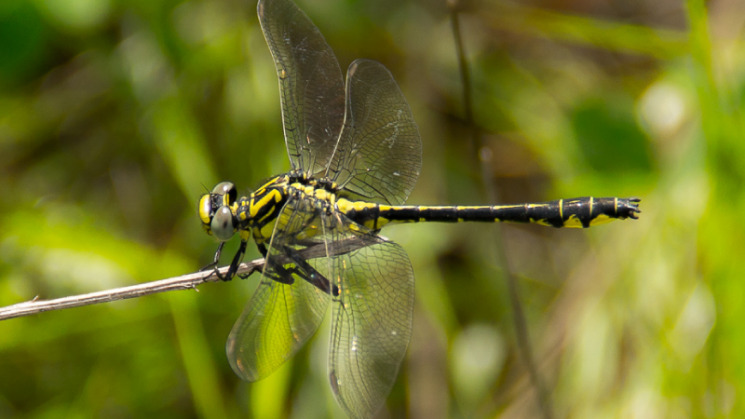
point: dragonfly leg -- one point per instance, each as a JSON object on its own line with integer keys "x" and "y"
{"x": 213, "y": 265}
{"x": 301, "y": 268}
{"x": 275, "y": 271}
{"x": 310, "y": 273}
{"x": 235, "y": 262}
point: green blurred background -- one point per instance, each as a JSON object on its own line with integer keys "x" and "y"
{"x": 116, "y": 115}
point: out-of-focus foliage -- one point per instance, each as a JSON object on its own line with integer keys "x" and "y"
{"x": 116, "y": 115}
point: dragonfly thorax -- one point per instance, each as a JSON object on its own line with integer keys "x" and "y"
{"x": 264, "y": 208}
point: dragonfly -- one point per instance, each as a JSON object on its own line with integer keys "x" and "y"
{"x": 355, "y": 154}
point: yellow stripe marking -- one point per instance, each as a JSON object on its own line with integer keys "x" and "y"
{"x": 592, "y": 204}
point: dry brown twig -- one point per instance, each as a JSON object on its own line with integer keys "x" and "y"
{"x": 184, "y": 282}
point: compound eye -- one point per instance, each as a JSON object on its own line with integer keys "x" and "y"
{"x": 222, "y": 224}
{"x": 226, "y": 189}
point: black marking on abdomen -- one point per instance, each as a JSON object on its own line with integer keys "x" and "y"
{"x": 575, "y": 212}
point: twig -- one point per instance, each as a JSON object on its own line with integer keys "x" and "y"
{"x": 184, "y": 282}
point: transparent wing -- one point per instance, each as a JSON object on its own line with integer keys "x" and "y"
{"x": 280, "y": 317}
{"x": 379, "y": 153}
{"x": 275, "y": 324}
{"x": 310, "y": 84}
{"x": 371, "y": 320}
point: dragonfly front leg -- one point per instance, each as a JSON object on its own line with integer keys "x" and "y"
{"x": 233, "y": 264}
{"x": 215, "y": 261}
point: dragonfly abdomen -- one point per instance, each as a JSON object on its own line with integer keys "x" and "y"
{"x": 575, "y": 212}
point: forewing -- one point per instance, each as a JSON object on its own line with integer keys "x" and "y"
{"x": 379, "y": 153}
{"x": 280, "y": 317}
{"x": 310, "y": 84}
{"x": 371, "y": 322}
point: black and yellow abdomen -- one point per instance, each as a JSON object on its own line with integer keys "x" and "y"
{"x": 574, "y": 213}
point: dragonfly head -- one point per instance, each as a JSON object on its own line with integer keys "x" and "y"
{"x": 216, "y": 211}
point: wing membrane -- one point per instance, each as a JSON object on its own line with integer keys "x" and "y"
{"x": 371, "y": 321}
{"x": 276, "y": 323}
{"x": 310, "y": 84}
{"x": 379, "y": 153}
